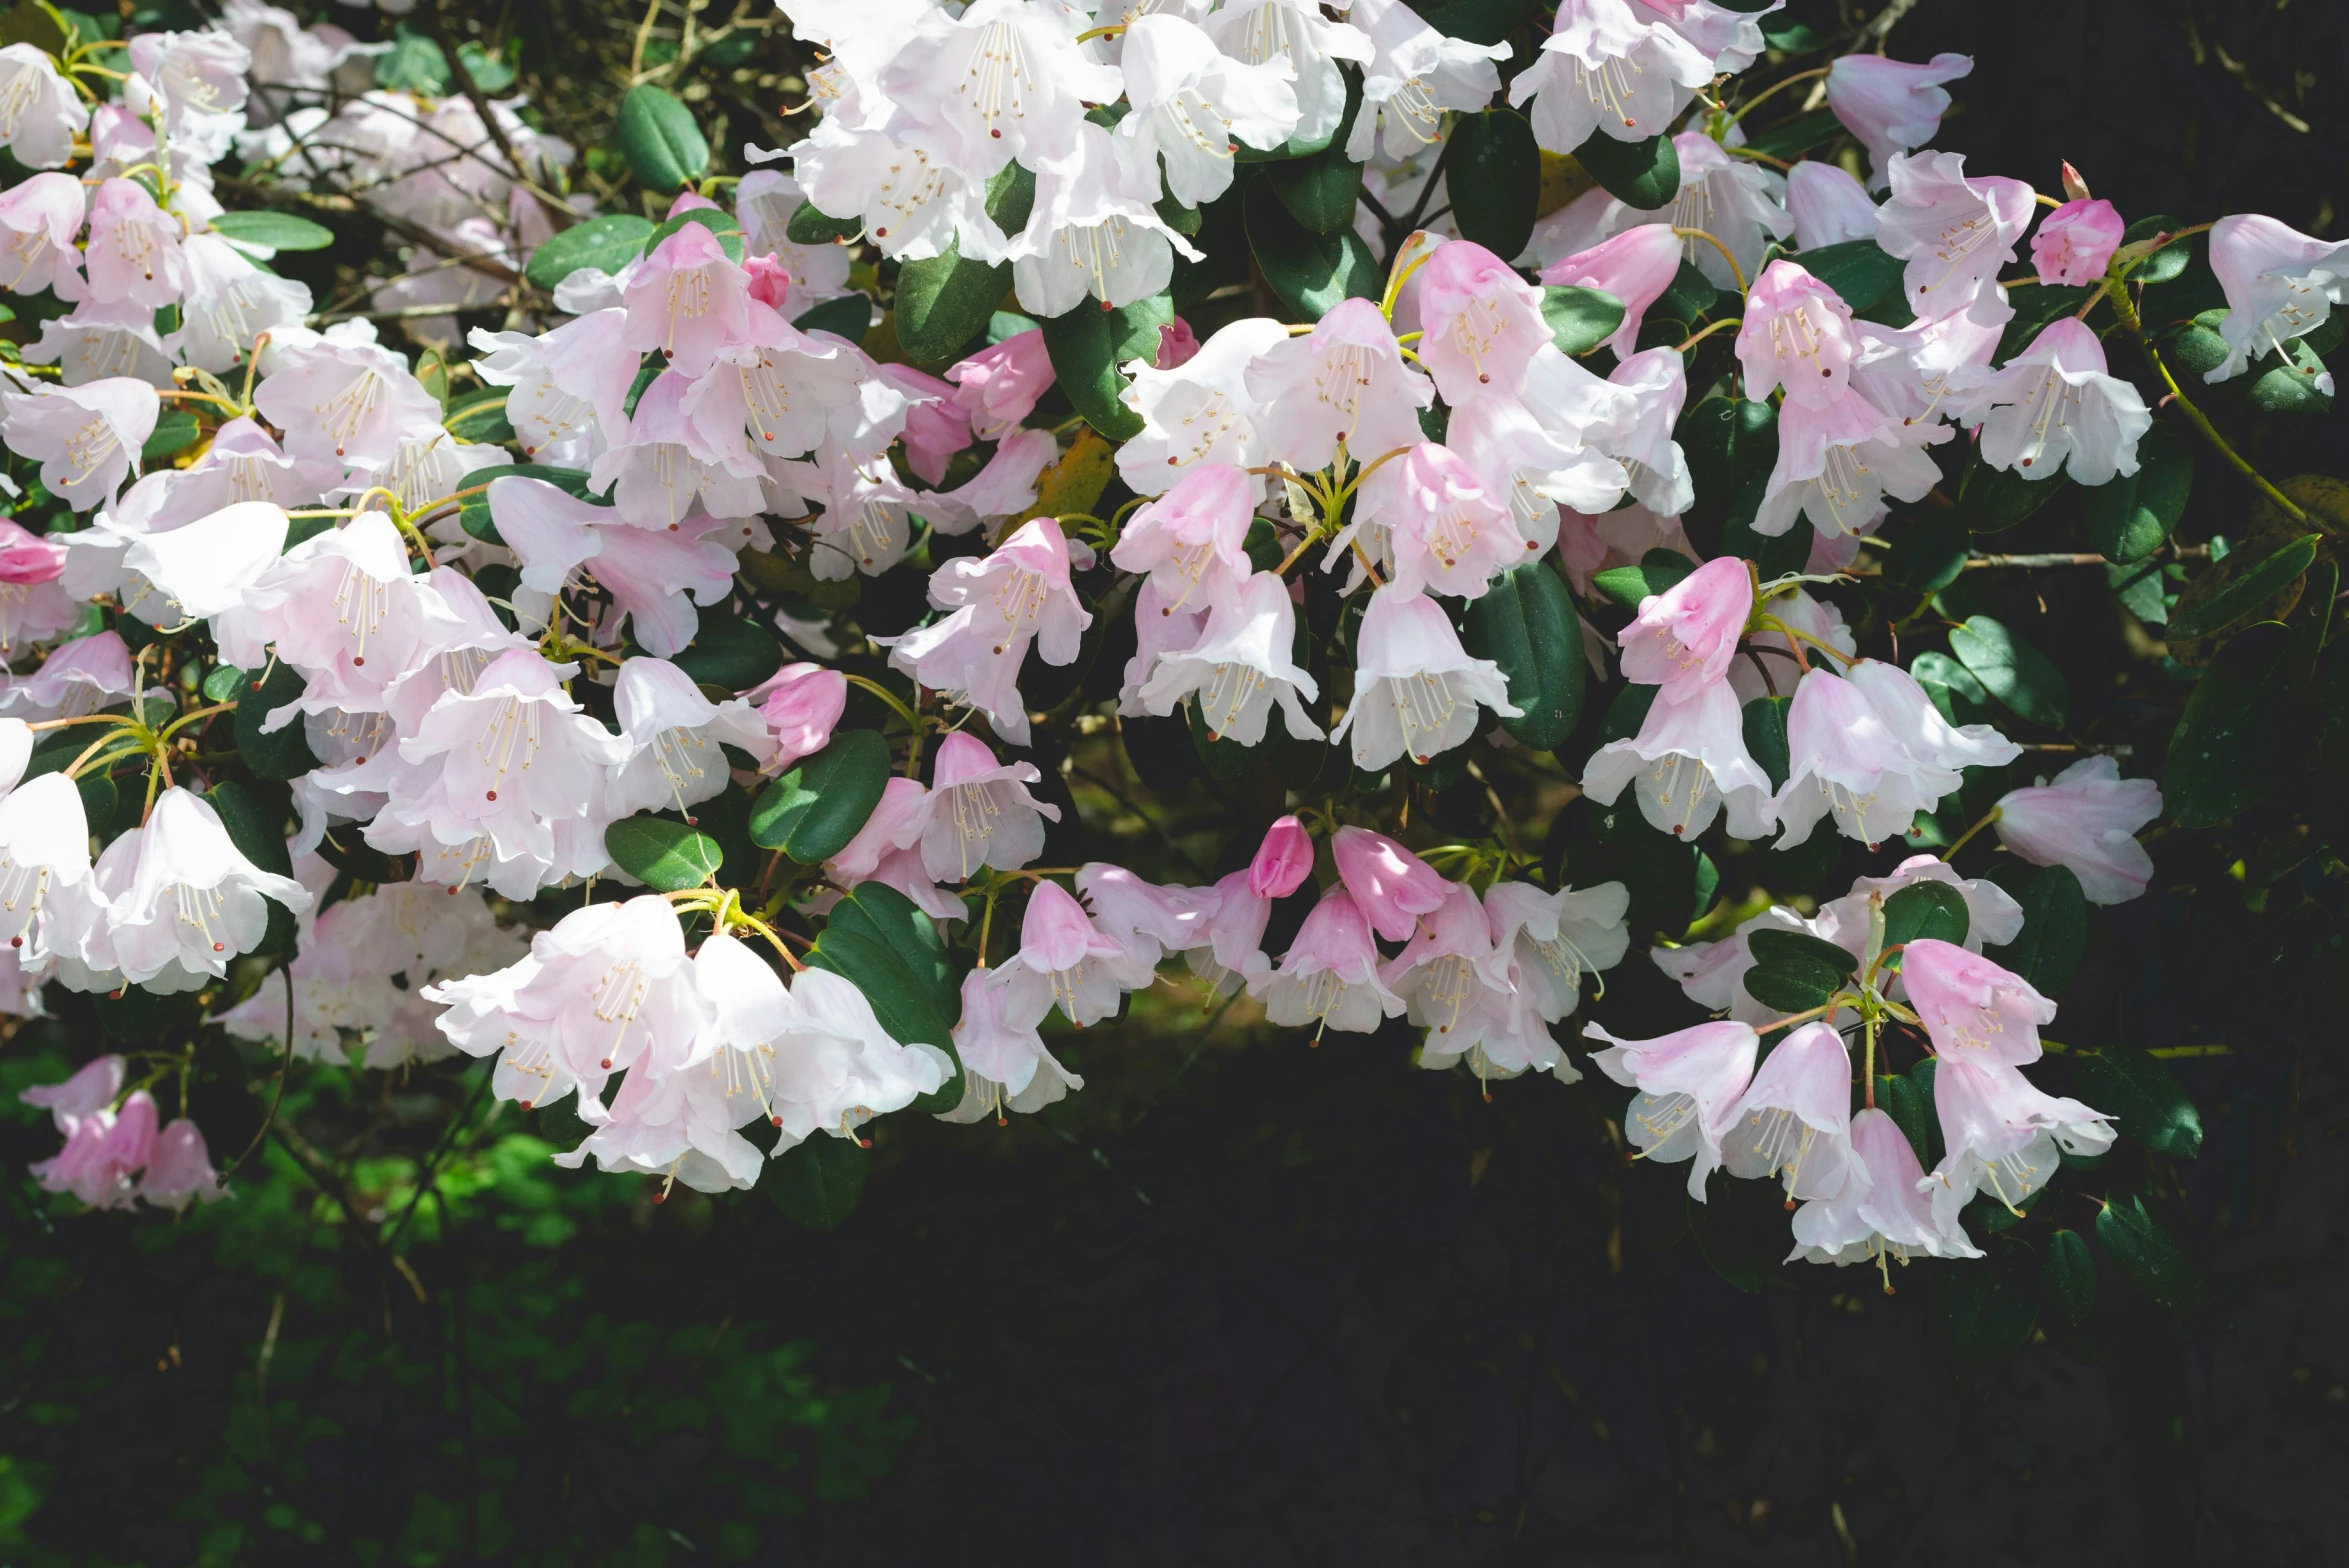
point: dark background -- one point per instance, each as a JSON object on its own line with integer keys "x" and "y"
{"x": 1244, "y": 1301}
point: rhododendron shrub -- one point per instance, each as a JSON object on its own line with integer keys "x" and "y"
{"x": 1490, "y": 540}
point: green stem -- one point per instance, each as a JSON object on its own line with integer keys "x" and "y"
{"x": 2119, "y": 295}
{"x": 1992, "y": 815}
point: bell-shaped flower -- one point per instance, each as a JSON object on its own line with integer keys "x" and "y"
{"x": 44, "y": 110}
{"x": 1064, "y": 961}
{"x": 568, "y": 387}
{"x": 1849, "y": 764}
{"x": 799, "y": 704}
{"x": 1006, "y": 80}
{"x": 99, "y": 340}
{"x": 679, "y": 1128}
{"x": 2074, "y": 244}
{"x": 1689, "y": 1083}
{"x": 230, "y": 302}
{"x": 1828, "y": 205}
{"x": 1000, "y": 605}
{"x": 776, "y": 390}
{"x": 1193, "y": 105}
{"x": 1687, "y": 762}
{"x": 674, "y": 734}
{"x": 1552, "y": 940}
{"x": 344, "y": 399}
{"x": 1243, "y": 905}
{"x": 1416, "y": 690}
{"x": 44, "y": 846}
{"x": 89, "y": 1092}
{"x": 1636, "y": 266}
{"x": 1992, "y": 915}
{"x": 1611, "y": 67}
{"x": 1641, "y": 434}
{"x": 35, "y": 605}
{"x": 1536, "y": 458}
{"x": 1684, "y": 638}
{"x": 180, "y": 1170}
{"x": 1005, "y": 1067}
{"x": 1342, "y": 385}
{"x": 1260, "y": 32}
{"x": 134, "y": 248}
{"x": 39, "y": 218}
{"x": 1243, "y": 664}
{"x": 1145, "y": 920}
{"x": 1429, "y": 520}
{"x": 85, "y": 438}
{"x": 2002, "y": 1135}
{"x": 1798, "y": 335}
{"x": 1329, "y": 977}
{"x": 998, "y": 386}
{"x": 2054, "y": 406}
{"x": 1481, "y": 323}
{"x": 200, "y": 76}
{"x": 1879, "y": 1215}
{"x": 1910, "y": 372}
{"x": 1201, "y": 411}
{"x": 837, "y": 1068}
{"x": 1890, "y": 105}
{"x": 204, "y": 570}
{"x": 1416, "y": 75}
{"x": 79, "y": 677}
{"x": 194, "y": 902}
{"x": 654, "y": 577}
{"x": 1971, "y": 1007}
{"x": 1837, "y": 464}
{"x": 1934, "y": 744}
{"x": 2281, "y": 284}
{"x": 1191, "y": 541}
{"x": 1167, "y": 620}
{"x": 686, "y": 299}
{"x": 103, "y": 1152}
{"x": 654, "y": 474}
{"x": 1094, "y": 232}
{"x": 979, "y": 812}
{"x": 1391, "y": 886}
{"x": 1449, "y": 974}
{"x": 2087, "y": 820}
{"x": 342, "y": 607}
{"x": 1794, "y": 1120}
{"x": 1955, "y": 233}
{"x": 906, "y": 187}
{"x": 888, "y": 849}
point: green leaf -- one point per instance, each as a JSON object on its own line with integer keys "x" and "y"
{"x": 1857, "y": 270}
{"x": 1925, "y": 911}
{"x": 2223, "y": 755}
{"x": 1322, "y": 189}
{"x": 876, "y": 939}
{"x": 284, "y": 753}
{"x": 2248, "y": 590}
{"x": 1740, "y": 1229}
{"x": 1987, "y": 1305}
{"x": 811, "y": 226}
{"x": 175, "y": 431}
{"x": 1642, "y": 175}
{"x": 1992, "y": 500}
{"x": 2292, "y": 383}
{"x": 1765, "y": 737}
{"x": 850, "y": 316}
{"x": 731, "y": 651}
{"x": 1690, "y": 296}
{"x": 659, "y": 138}
{"x": 1309, "y": 273}
{"x": 37, "y": 23}
{"x": 2144, "y": 1099}
{"x": 2067, "y": 1276}
{"x": 1657, "y": 572}
{"x": 2011, "y": 670}
{"x": 665, "y": 855}
{"x": 2157, "y": 266}
{"x": 413, "y": 64}
{"x": 2133, "y": 515}
{"x": 1898, "y": 1097}
{"x": 817, "y": 1181}
{"x": 1480, "y": 21}
{"x": 491, "y": 73}
{"x": 944, "y": 302}
{"x": 222, "y": 683}
{"x": 1088, "y": 345}
{"x": 2148, "y": 1257}
{"x": 1525, "y": 624}
{"x": 1580, "y": 319}
{"x": 1794, "y": 972}
{"x": 1796, "y": 137}
{"x": 1961, "y": 698}
{"x": 473, "y": 510}
{"x": 275, "y": 230}
{"x": 480, "y": 416}
{"x": 1730, "y": 444}
{"x": 811, "y": 812}
{"x": 256, "y": 825}
{"x": 1495, "y": 177}
{"x": 717, "y": 220}
{"x": 606, "y": 244}
{"x": 2054, "y": 938}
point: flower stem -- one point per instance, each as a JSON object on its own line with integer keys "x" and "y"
{"x": 1992, "y": 815}
{"x": 1735, "y": 270}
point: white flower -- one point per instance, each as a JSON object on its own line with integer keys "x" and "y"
{"x": 39, "y": 110}
{"x": 202, "y": 570}
{"x": 1605, "y": 70}
{"x": 1199, "y": 412}
{"x": 230, "y": 302}
{"x": 343, "y": 399}
{"x": 1415, "y": 690}
{"x": 1303, "y": 34}
{"x": 85, "y": 438}
{"x": 2281, "y": 284}
{"x": 1193, "y": 105}
{"x": 2053, "y": 406}
{"x": 193, "y": 902}
{"x": 1242, "y": 665}
{"x": 1005, "y": 80}
{"x": 100, "y": 340}
{"x": 1416, "y": 75}
{"x": 1094, "y": 231}
{"x": 674, "y": 733}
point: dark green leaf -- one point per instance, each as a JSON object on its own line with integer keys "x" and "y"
{"x": 2158, "y": 266}
{"x": 1929, "y": 548}
{"x": 1961, "y": 698}
{"x": 665, "y": 855}
{"x": 37, "y": 23}
{"x": 2011, "y": 670}
{"x": 491, "y": 73}
{"x": 1642, "y": 175}
{"x": 2054, "y": 938}
{"x": 1991, "y": 500}
{"x": 1740, "y": 1228}
{"x": 659, "y": 138}
{"x": 818, "y": 1180}
{"x": 944, "y": 302}
{"x": 256, "y": 823}
{"x": 2144, "y": 1099}
{"x": 1309, "y": 272}
{"x": 1797, "y": 136}
{"x": 1088, "y": 346}
{"x": 275, "y": 230}
{"x": 850, "y": 316}
{"x": 1322, "y": 189}
{"x": 1987, "y": 1305}
{"x": 1580, "y": 319}
{"x": 1795, "y": 972}
{"x": 1731, "y": 445}
{"x": 1495, "y": 177}
{"x": 2250, "y": 589}
{"x": 2148, "y": 1257}
{"x": 2292, "y": 384}
{"x": 811, "y": 812}
{"x": 1657, "y": 572}
{"x": 2224, "y": 754}
{"x": 2132, "y": 516}
{"x": 731, "y": 651}
{"x": 1857, "y": 270}
{"x": 1923, "y": 911}
{"x": 809, "y": 226}
{"x": 1765, "y": 737}
{"x": 175, "y": 431}
{"x": 1898, "y": 1097}
{"x": 876, "y": 939}
{"x": 2067, "y": 1276}
{"x": 1479, "y": 21}
{"x": 222, "y": 683}
{"x": 284, "y": 753}
{"x": 607, "y": 244}
{"x": 479, "y": 416}
{"x": 1525, "y": 623}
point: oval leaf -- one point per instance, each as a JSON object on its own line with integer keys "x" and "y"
{"x": 2144, "y": 1098}
{"x": 1495, "y": 177}
{"x": 662, "y": 853}
{"x": 1309, "y": 272}
{"x": 2148, "y": 1256}
{"x": 657, "y": 135}
{"x": 282, "y": 753}
{"x": 607, "y": 244}
{"x": 944, "y": 302}
{"x": 818, "y": 1180}
{"x": 1642, "y": 175}
{"x": 1525, "y": 624}
{"x": 808, "y": 226}
{"x": 1992, "y": 500}
{"x": 2223, "y": 753}
{"x": 811, "y": 812}
{"x": 2067, "y": 1276}
{"x": 2054, "y": 938}
{"x": 730, "y": 651}
{"x": 1858, "y": 270}
{"x": 1088, "y": 345}
{"x": 273, "y": 230}
{"x": 1632, "y": 586}
{"x": 2011, "y": 670}
{"x": 2131, "y": 516}
{"x": 1925, "y": 910}
{"x": 2247, "y": 589}
{"x": 1580, "y": 319}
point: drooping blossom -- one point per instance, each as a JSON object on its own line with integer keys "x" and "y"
{"x": 1797, "y": 334}
{"x": 2087, "y": 820}
{"x": 1309, "y": 40}
{"x": 1481, "y": 322}
{"x": 1191, "y": 541}
{"x": 2280, "y": 285}
{"x": 1201, "y": 411}
{"x": 998, "y": 386}
{"x": 1879, "y": 1216}
{"x": 1828, "y": 205}
{"x": 1955, "y": 233}
{"x": 193, "y": 902}
{"x": 1243, "y": 664}
{"x": 1688, "y": 761}
{"x": 1428, "y": 522}
{"x": 1005, "y": 1066}
{"x": 1191, "y": 105}
{"x": 1689, "y": 1082}
{"x": 1684, "y": 638}
{"x": 1793, "y": 1120}
{"x": 45, "y": 111}
{"x": 85, "y": 438}
{"x": 1064, "y": 961}
{"x": 1342, "y": 385}
{"x": 1329, "y": 977}
{"x": 1018, "y": 596}
{"x": 1416, "y": 690}
{"x": 1608, "y": 67}
{"x": 1391, "y": 886}
{"x": 1095, "y": 231}
{"x": 2001, "y": 1135}
{"x": 1890, "y": 105}
{"x": 1416, "y": 75}
{"x": 979, "y": 812}
{"x": 1636, "y": 266}
{"x": 2054, "y": 406}
{"x": 2074, "y": 243}
{"x": 1235, "y": 931}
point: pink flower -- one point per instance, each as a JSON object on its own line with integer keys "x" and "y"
{"x": 1828, "y": 206}
{"x": 1330, "y": 975}
{"x": 1837, "y": 463}
{"x": 801, "y": 703}
{"x": 180, "y": 1170}
{"x": 2053, "y": 406}
{"x": 1342, "y": 384}
{"x": 1992, "y": 915}
{"x": 2001, "y": 1133}
{"x": 47, "y": 109}
{"x": 2086, "y": 820}
{"x": 2075, "y": 242}
{"x": 569, "y": 385}
{"x": 770, "y": 280}
{"x": 1192, "y": 540}
{"x": 1242, "y": 665}
{"x": 134, "y": 248}
{"x": 1005, "y": 1066}
{"x": 103, "y": 1150}
{"x": 1657, "y": 381}
{"x": 888, "y": 849}
{"x": 1793, "y": 1119}
{"x": 686, "y": 299}
{"x": 1416, "y": 690}
{"x": 1889, "y": 105}
{"x": 1685, "y": 637}
{"x": 654, "y": 576}
{"x": 1879, "y": 1214}
{"x": 1608, "y": 67}
{"x": 1019, "y": 595}
{"x": 1143, "y": 919}
{"x": 85, "y": 438}
{"x": 1283, "y": 861}
{"x": 1636, "y": 266}
{"x": 936, "y": 425}
{"x": 654, "y": 473}
{"x": 1689, "y": 760}
{"x": 1482, "y": 323}
{"x": 1449, "y": 972}
{"x": 1955, "y": 233}
{"x": 39, "y": 217}
{"x": 343, "y": 399}
{"x": 998, "y": 386}
{"x": 1689, "y": 1083}
{"x": 1798, "y": 335}
{"x": 27, "y": 559}
{"x": 980, "y": 812}
{"x": 1849, "y": 764}
{"x": 1064, "y": 960}
{"x": 1391, "y": 885}
{"x": 85, "y": 1094}
{"x": 1429, "y": 516}
{"x": 2280, "y": 284}
{"x": 1176, "y": 344}
{"x": 1971, "y": 1007}
{"x": 773, "y": 389}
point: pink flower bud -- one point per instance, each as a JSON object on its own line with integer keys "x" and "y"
{"x": 1392, "y": 885}
{"x": 801, "y": 703}
{"x": 1283, "y": 861}
{"x": 770, "y": 280}
{"x": 27, "y": 558}
{"x": 181, "y": 1168}
{"x": 688, "y": 201}
{"x": 1685, "y": 637}
{"x": 2076, "y": 241}
{"x": 998, "y": 386}
{"x": 1176, "y": 344}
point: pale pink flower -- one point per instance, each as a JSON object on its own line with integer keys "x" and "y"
{"x": 2074, "y": 243}
{"x": 1145, "y": 920}
{"x": 800, "y": 704}
{"x": 1689, "y": 1082}
{"x": 344, "y": 609}
{"x": 1391, "y": 885}
{"x": 1794, "y": 1118}
{"x": 343, "y": 399}
{"x": 1482, "y": 323}
{"x": 1890, "y": 105}
{"x": 45, "y": 109}
{"x": 1828, "y": 205}
{"x": 1330, "y": 975}
{"x": 1955, "y": 234}
{"x": 1684, "y": 638}
{"x": 1911, "y": 371}
{"x": 1879, "y": 1215}
{"x": 1191, "y": 541}
{"x": 1836, "y": 465}
{"x": 1688, "y": 761}
{"x": 194, "y": 902}
{"x": 1416, "y": 75}
{"x": 78, "y": 677}
{"x": 1428, "y": 517}
{"x": 1283, "y": 861}
{"x": 1992, "y": 915}
{"x": 1551, "y": 941}
{"x": 1235, "y": 931}
{"x": 1002, "y": 81}
{"x": 674, "y": 736}
{"x": 1636, "y": 266}
{"x": 1849, "y": 764}
{"x": 1243, "y": 664}
{"x": 85, "y": 438}
{"x": 1971, "y": 1007}
{"x": 230, "y": 302}
{"x": 134, "y": 249}
{"x": 888, "y": 849}
{"x": 936, "y": 426}
{"x": 773, "y": 389}
{"x": 1192, "y": 106}
{"x": 44, "y": 848}
{"x": 1064, "y": 961}
{"x": 1344, "y": 384}
{"x": 1016, "y": 597}
{"x": 686, "y": 300}
{"x": 980, "y": 812}
{"x": 1641, "y": 435}
{"x": 998, "y": 386}
{"x": 180, "y": 1170}
{"x": 1449, "y": 973}
{"x": 654, "y": 472}
{"x": 102, "y": 1152}
{"x": 2280, "y": 285}
{"x": 39, "y": 218}
{"x": 835, "y": 1067}
{"x": 1005, "y": 1066}
{"x": 1416, "y": 690}
{"x": 1177, "y": 344}
{"x": 2087, "y": 820}
{"x": 654, "y": 577}
{"x": 90, "y": 1091}
{"x": 568, "y": 386}
{"x": 2003, "y": 1134}
{"x": 2054, "y": 406}
{"x": 1531, "y": 449}
{"x": 1798, "y": 335}
{"x": 1200, "y": 411}
{"x": 1609, "y": 67}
